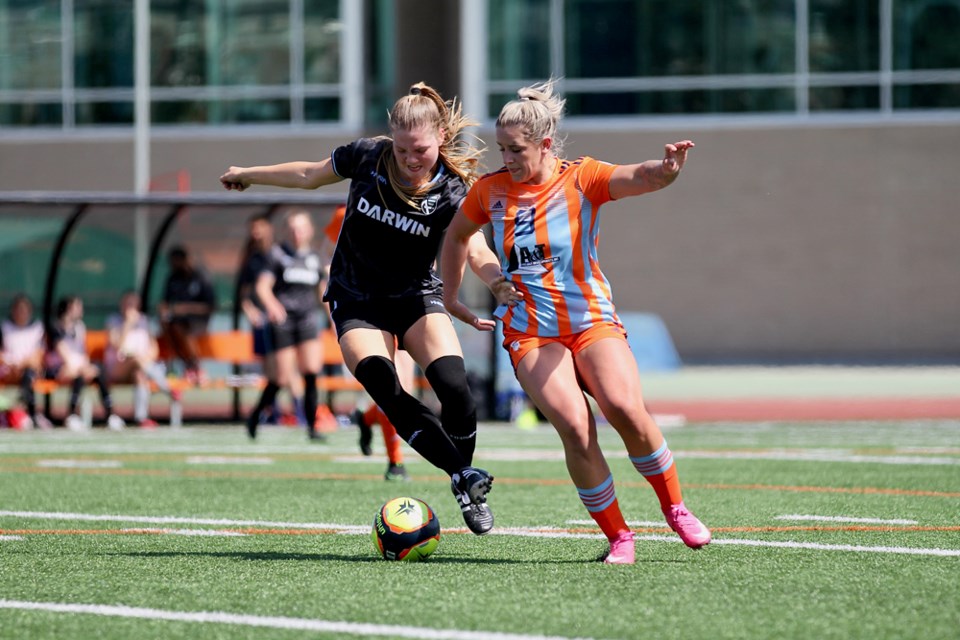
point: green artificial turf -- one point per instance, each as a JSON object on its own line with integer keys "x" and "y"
{"x": 851, "y": 580}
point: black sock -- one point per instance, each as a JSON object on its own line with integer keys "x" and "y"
{"x": 76, "y": 387}
{"x": 104, "y": 394}
{"x": 266, "y": 399}
{"x": 310, "y": 400}
{"x": 458, "y": 409}
{"x": 415, "y": 423}
{"x": 26, "y": 391}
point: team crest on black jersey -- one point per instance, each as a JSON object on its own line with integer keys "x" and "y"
{"x": 429, "y": 204}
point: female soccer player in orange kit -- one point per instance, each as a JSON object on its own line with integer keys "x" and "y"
{"x": 564, "y": 336}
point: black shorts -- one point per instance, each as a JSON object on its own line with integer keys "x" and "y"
{"x": 394, "y": 316}
{"x": 262, "y": 344}
{"x": 296, "y": 329}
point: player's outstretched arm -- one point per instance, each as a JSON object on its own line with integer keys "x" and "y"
{"x": 652, "y": 175}
{"x": 297, "y": 175}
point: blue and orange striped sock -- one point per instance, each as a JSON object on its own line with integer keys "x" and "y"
{"x": 601, "y": 503}
{"x": 661, "y": 473}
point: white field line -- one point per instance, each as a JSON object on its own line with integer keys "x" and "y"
{"x": 271, "y": 622}
{"x": 816, "y": 546}
{"x": 812, "y": 518}
{"x": 190, "y": 532}
{"x": 8, "y": 538}
{"x": 79, "y": 464}
{"x": 229, "y": 460}
{"x": 632, "y": 523}
{"x": 221, "y": 522}
{"x": 532, "y": 532}
{"x": 816, "y": 455}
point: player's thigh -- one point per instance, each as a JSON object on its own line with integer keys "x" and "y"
{"x": 406, "y": 370}
{"x": 363, "y": 342}
{"x": 548, "y": 375}
{"x": 310, "y": 356}
{"x": 285, "y": 360}
{"x": 609, "y": 373}
{"x": 123, "y": 371}
{"x": 431, "y": 337}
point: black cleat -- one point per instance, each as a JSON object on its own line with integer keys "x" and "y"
{"x": 366, "y": 433}
{"x": 396, "y": 473}
{"x": 470, "y": 487}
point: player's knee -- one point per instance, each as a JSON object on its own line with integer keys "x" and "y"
{"x": 378, "y": 375}
{"x": 448, "y": 378}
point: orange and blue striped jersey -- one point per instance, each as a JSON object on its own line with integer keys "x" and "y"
{"x": 546, "y": 236}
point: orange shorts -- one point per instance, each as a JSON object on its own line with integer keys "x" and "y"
{"x": 519, "y": 344}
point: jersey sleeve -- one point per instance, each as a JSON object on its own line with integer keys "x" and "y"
{"x": 472, "y": 206}
{"x": 594, "y": 179}
{"x": 347, "y": 159}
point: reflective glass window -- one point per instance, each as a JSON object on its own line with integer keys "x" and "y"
{"x": 519, "y": 39}
{"x": 624, "y": 38}
{"x": 30, "y": 41}
{"x": 103, "y": 43}
{"x": 322, "y": 33}
{"x": 844, "y": 35}
{"x": 925, "y": 34}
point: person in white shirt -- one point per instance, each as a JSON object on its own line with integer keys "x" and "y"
{"x": 131, "y": 357}
{"x": 21, "y": 354}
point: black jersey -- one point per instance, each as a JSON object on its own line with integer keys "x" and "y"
{"x": 250, "y": 270}
{"x": 296, "y": 277}
{"x": 386, "y": 249}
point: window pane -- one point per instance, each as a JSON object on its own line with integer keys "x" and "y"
{"x": 682, "y": 102}
{"x": 927, "y": 96}
{"x": 242, "y": 42}
{"x": 103, "y": 43}
{"x": 321, "y": 109}
{"x": 251, "y": 42}
{"x": 321, "y": 41}
{"x": 519, "y": 44}
{"x": 31, "y": 114}
{"x": 90, "y": 113}
{"x": 221, "y": 111}
{"x": 843, "y": 98}
{"x": 29, "y": 44}
{"x": 925, "y": 34}
{"x": 178, "y": 45}
{"x": 678, "y": 38}
{"x": 844, "y": 35}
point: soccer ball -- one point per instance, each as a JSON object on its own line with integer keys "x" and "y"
{"x": 406, "y": 529}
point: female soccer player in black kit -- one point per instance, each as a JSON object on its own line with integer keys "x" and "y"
{"x": 384, "y": 291}
{"x": 288, "y": 286}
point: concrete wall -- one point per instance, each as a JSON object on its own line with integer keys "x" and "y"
{"x": 784, "y": 243}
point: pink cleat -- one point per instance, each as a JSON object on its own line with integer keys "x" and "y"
{"x": 621, "y": 549}
{"x": 693, "y": 533}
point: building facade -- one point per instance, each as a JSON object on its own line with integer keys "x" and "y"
{"x": 817, "y": 218}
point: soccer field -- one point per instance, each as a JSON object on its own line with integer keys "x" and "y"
{"x": 821, "y": 530}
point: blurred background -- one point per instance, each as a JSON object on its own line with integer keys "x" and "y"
{"x": 816, "y": 221}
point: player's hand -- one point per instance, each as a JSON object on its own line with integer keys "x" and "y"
{"x": 675, "y": 155}
{"x": 505, "y": 292}
{"x": 234, "y": 179}
{"x": 462, "y": 312}
{"x": 276, "y": 313}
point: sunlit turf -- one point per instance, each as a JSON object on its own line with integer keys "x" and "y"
{"x": 740, "y": 479}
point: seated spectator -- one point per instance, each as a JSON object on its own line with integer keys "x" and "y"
{"x": 68, "y": 362}
{"x": 131, "y": 356}
{"x": 188, "y": 302}
{"x": 21, "y": 355}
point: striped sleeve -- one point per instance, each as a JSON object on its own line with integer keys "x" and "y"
{"x": 594, "y": 179}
